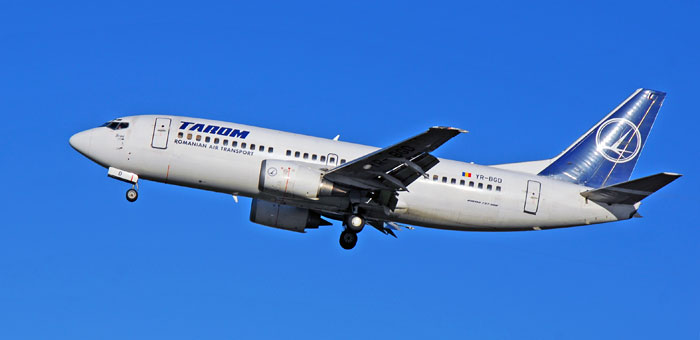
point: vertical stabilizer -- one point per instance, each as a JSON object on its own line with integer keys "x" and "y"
{"x": 608, "y": 152}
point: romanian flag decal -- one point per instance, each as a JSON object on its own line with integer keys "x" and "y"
{"x": 466, "y": 174}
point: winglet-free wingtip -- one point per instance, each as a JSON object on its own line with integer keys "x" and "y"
{"x": 450, "y": 128}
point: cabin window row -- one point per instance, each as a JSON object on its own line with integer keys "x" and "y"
{"x": 313, "y": 157}
{"x": 225, "y": 142}
{"x": 462, "y": 182}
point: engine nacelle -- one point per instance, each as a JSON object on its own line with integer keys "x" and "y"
{"x": 284, "y": 216}
{"x": 293, "y": 179}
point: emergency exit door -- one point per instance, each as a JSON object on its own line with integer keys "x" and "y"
{"x": 532, "y": 200}
{"x": 331, "y": 160}
{"x": 161, "y": 132}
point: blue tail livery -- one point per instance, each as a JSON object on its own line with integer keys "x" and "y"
{"x": 608, "y": 152}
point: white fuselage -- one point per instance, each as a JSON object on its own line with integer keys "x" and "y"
{"x": 456, "y": 195}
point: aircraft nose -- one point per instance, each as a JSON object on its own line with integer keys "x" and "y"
{"x": 81, "y": 141}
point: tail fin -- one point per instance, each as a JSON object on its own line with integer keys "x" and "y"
{"x": 608, "y": 152}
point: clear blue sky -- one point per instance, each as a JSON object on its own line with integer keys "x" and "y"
{"x": 526, "y": 78}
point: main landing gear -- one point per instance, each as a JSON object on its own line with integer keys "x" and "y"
{"x": 348, "y": 239}
{"x": 353, "y": 224}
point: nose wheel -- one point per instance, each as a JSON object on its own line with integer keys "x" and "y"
{"x": 348, "y": 239}
{"x": 132, "y": 195}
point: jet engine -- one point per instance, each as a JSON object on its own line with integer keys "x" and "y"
{"x": 284, "y": 216}
{"x": 294, "y": 179}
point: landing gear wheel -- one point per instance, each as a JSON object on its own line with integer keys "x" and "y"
{"x": 348, "y": 239}
{"x": 355, "y": 223}
{"x": 132, "y": 195}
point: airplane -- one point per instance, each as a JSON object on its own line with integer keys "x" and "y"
{"x": 299, "y": 182}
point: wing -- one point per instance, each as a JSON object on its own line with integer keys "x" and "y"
{"x": 394, "y": 168}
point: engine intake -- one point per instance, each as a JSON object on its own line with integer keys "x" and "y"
{"x": 294, "y": 179}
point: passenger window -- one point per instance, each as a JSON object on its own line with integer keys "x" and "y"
{"x": 306, "y": 155}
{"x": 342, "y": 161}
{"x": 481, "y": 185}
{"x": 489, "y": 187}
{"x": 180, "y": 134}
{"x": 252, "y": 147}
{"x": 297, "y": 154}
{"x": 461, "y": 182}
{"x": 269, "y": 150}
{"x": 189, "y": 136}
{"x": 498, "y": 188}
{"x": 314, "y": 157}
{"x": 225, "y": 142}
{"x": 435, "y": 178}
{"x": 216, "y": 141}
{"x": 323, "y": 158}
{"x": 444, "y": 179}
{"x": 243, "y": 145}
{"x": 453, "y": 181}
{"x": 289, "y": 152}
{"x": 471, "y": 184}
{"x": 331, "y": 159}
{"x": 199, "y": 138}
{"x": 262, "y": 148}
{"x": 207, "y": 139}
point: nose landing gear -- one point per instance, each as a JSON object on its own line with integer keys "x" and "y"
{"x": 129, "y": 177}
{"x": 132, "y": 195}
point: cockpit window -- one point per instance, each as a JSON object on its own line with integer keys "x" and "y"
{"x": 115, "y": 125}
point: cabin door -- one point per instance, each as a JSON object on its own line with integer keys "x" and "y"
{"x": 532, "y": 200}
{"x": 161, "y": 131}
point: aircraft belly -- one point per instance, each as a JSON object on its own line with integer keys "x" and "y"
{"x": 198, "y": 169}
{"x": 148, "y": 164}
{"x": 560, "y": 205}
{"x": 429, "y": 206}
{"x": 215, "y": 173}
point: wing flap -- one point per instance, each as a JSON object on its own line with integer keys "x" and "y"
{"x": 631, "y": 192}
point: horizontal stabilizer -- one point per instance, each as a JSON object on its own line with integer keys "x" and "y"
{"x": 631, "y": 192}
